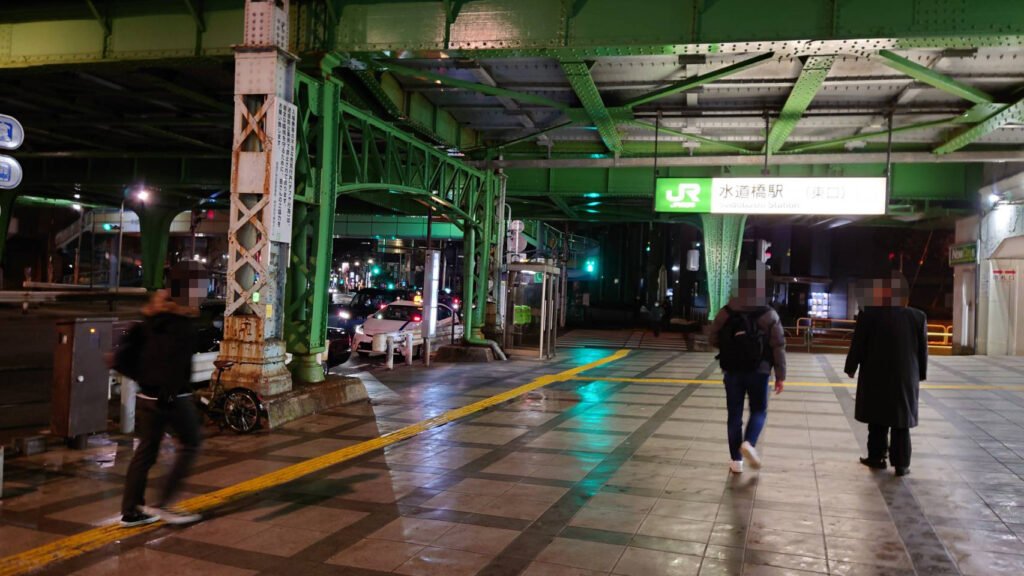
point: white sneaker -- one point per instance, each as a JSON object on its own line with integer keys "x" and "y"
{"x": 750, "y": 454}
{"x": 736, "y": 467}
{"x": 170, "y": 517}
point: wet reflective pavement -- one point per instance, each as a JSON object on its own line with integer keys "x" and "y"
{"x": 621, "y": 470}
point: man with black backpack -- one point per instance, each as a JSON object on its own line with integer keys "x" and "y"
{"x": 157, "y": 354}
{"x": 751, "y": 343}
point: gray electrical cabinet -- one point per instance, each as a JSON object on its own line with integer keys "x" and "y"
{"x": 81, "y": 378}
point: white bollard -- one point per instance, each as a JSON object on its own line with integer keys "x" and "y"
{"x": 426, "y": 351}
{"x": 408, "y": 349}
{"x": 390, "y": 353}
{"x": 127, "y": 404}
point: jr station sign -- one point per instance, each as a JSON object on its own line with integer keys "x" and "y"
{"x": 764, "y": 195}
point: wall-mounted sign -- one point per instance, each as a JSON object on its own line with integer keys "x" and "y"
{"x": 12, "y": 135}
{"x": 10, "y": 173}
{"x": 826, "y": 196}
{"x": 966, "y": 253}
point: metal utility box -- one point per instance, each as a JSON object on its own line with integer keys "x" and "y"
{"x": 81, "y": 378}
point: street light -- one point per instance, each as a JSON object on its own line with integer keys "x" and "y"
{"x": 142, "y": 195}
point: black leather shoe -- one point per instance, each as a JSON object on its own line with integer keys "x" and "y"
{"x": 876, "y": 464}
{"x": 902, "y": 471}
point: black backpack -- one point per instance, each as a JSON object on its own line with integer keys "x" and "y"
{"x": 741, "y": 342}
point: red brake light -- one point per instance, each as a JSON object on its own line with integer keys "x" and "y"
{"x": 383, "y": 306}
{"x": 417, "y": 318}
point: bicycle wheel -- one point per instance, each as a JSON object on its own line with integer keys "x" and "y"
{"x": 241, "y": 410}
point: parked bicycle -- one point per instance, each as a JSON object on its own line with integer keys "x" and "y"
{"x": 239, "y": 409}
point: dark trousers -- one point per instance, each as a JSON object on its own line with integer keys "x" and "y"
{"x": 656, "y": 327}
{"x": 895, "y": 441}
{"x": 738, "y": 387}
{"x": 151, "y": 421}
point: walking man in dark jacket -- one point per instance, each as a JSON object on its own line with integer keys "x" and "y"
{"x": 749, "y": 335}
{"x": 890, "y": 347}
{"x": 157, "y": 354}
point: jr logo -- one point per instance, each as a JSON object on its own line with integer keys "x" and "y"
{"x": 686, "y": 195}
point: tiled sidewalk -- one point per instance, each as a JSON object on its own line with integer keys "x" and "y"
{"x": 590, "y": 476}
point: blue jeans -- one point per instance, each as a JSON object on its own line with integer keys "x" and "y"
{"x": 738, "y": 386}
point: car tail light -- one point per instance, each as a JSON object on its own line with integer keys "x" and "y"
{"x": 417, "y": 318}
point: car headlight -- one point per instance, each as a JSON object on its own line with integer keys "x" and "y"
{"x": 345, "y": 315}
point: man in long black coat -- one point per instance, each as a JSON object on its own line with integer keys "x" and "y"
{"x": 890, "y": 346}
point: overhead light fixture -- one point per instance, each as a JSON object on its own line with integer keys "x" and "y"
{"x": 142, "y": 195}
{"x": 855, "y": 144}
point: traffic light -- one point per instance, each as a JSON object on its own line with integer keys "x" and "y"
{"x": 590, "y": 266}
{"x": 764, "y": 253}
{"x": 376, "y": 270}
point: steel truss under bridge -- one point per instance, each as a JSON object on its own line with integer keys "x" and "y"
{"x": 345, "y": 151}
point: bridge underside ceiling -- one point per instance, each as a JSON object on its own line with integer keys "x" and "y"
{"x": 141, "y": 92}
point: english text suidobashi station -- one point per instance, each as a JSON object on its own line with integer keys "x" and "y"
{"x": 512, "y": 287}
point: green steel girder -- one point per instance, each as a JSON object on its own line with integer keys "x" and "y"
{"x": 345, "y": 150}
{"x": 583, "y": 85}
{"x": 472, "y": 86}
{"x": 812, "y": 76}
{"x": 933, "y": 78}
{"x": 697, "y": 81}
{"x": 536, "y": 134}
{"x": 1011, "y": 113}
{"x": 868, "y": 135}
{"x": 120, "y": 31}
{"x": 694, "y": 137}
{"x": 606, "y": 28}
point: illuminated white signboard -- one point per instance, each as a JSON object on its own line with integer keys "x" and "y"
{"x": 827, "y": 196}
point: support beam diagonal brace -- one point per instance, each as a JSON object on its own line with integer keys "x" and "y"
{"x": 933, "y": 78}
{"x": 583, "y": 85}
{"x": 564, "y": 207}
{"x": 697, "y": 81}
{"x": 1014, "y": 113}
{"x": 472, "y": 86}
{"x": 689, "y": 136}
{"x": 815, "y": 69}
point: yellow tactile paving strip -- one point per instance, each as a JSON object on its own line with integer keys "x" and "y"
{"x": 72, "y": 546}
{"x": 683, "y": 381}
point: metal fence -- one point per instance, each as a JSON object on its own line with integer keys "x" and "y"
{"x": 834, "y": 333}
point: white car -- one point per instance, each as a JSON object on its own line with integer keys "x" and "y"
{"x": 400, "y": 318}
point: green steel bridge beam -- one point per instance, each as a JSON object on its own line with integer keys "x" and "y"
{"x": 812, "y": 76}
{"x": 583, "y": 85}
{"x": 1013, "y": 113}
{"x": 933, "y": 78}
{"x": 698, "y": 81}
{"x": 513, "y": 28}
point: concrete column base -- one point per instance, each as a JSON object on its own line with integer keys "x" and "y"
{"x": 464, "y": 354}
{"x": 259, "y": 363}
{"x": 307, "y": 399}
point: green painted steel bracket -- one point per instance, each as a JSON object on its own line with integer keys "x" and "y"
{"x": 697, "y": 81}
{"x": 868, "y": 135}
{"x": 694, "y": 137}
{"x": 933, "y": 78}
{"x": 583, "y": 85}
{"x": 812, "y": 76}
{"x": 472, "y": 86}
{"x": 1011, "y": 113}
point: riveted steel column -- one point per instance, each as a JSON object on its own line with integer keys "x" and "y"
{"x": 310, "y": 272}
{"x": 723, "y": 239}
{"x": 262, "y": 189}
{"x": 155, "y": 232}
{"x": 485, "y": 215}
